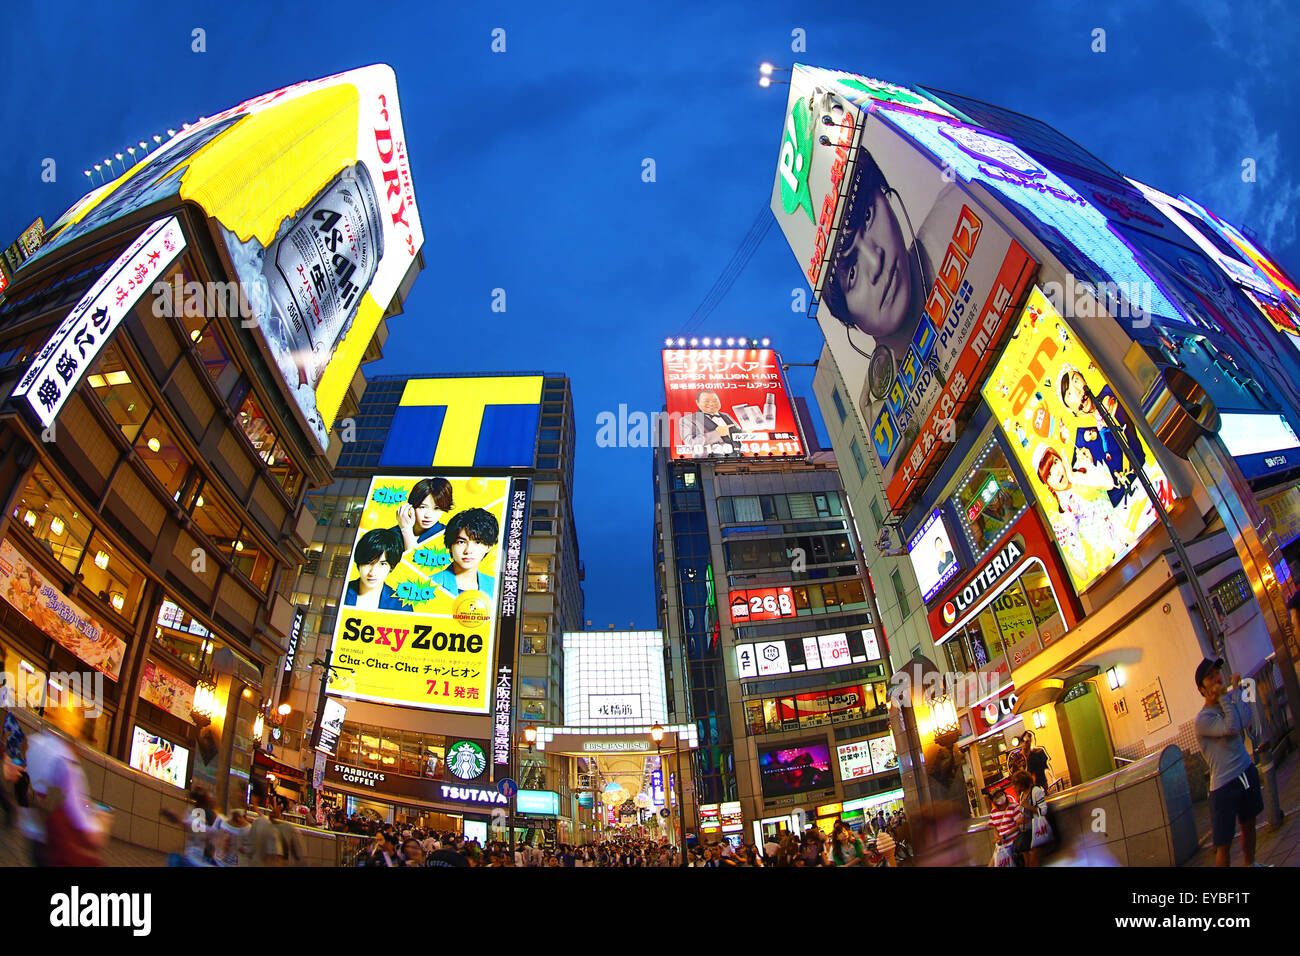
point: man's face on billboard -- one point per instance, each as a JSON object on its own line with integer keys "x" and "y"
{"x": 1077, "y": 398}
{"x": 373, "y": 574}
{"x": 709, "y": 403}
{"x": 874, "y": 271}
{"x": 427, "y": 514}
{"x": 466, "y": 553}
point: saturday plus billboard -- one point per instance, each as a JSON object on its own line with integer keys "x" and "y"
{"x": 311, "y": 195}
{"x": 917, "y": 282}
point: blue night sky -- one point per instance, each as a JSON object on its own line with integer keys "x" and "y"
{"x": 528, "y": 163}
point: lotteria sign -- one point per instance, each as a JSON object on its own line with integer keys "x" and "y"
{"x": 1024, "y": 543}
{"x": 992, "y": 572}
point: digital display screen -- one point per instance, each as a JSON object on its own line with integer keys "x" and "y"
{"x": 933, "y": 558}
{"x": 795, "y": 769}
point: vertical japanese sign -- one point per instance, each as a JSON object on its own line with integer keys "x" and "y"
{"x": 417, "y": 618}
{"x": 509, "y": 628}
{"x": 71, "y": 350}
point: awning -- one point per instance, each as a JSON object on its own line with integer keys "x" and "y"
{"x": 1050, "y": 689}
{"x": 281, "y": 770}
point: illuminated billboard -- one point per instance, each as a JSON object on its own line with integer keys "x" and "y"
{"x": 310, "y": 187}
{"x": 795, "y": 768}
{"x": 159, "y": 757}
{"x": 933, "y": 558}
{"x": 1042, "y": 392}
{"x": 417, "y": 617}
{"x": 917, "y": 281}
{"x": 479, "y": 422}
{"x": 794, "y": 654}
{"x": 729, "y": 403}
{"x": 762, "y": 604}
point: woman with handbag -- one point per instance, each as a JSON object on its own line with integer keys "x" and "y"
{"x": 1035, "y": 832}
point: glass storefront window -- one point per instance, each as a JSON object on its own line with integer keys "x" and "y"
{"x": 107, "y": 573}
{"x": 216, "y": 521}
{"x": 161, "y": 455}
{"x": 256, "y": 428}
{"x": 115, "y": 387}
{"x": 47, "y": 513}
{"x": 754, "y": 717}
{"x": 1042, "y": 605}
{"x": 1010, "y": 618}
{"x": 255, "y": 563}
{"x": 988, "y": 500}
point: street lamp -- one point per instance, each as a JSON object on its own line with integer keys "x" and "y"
{"x": 657, "y": 735}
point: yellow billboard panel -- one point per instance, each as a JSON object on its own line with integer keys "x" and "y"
{"x": 417, "y": 621}
{"x": 1044, "y": 391}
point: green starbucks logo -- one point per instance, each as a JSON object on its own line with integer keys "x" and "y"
{"x": 466, "y": 760}
{"x": 796, "y": 160}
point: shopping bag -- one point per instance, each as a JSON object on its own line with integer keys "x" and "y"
{"x": 1042, "y": 832}
{"x": 1002, "y": 856}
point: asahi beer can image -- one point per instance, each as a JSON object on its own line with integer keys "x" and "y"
{"x": 320, "y": 266}
{"x": 309, "y": 189}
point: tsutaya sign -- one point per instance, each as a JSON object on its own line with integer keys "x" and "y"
{"x": 1003, "y": 560}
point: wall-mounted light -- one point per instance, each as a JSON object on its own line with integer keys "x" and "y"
{"x": 1040, "y": 719}
{"x": 943, "y": 715}
{"x": 1115, "y": 677}
{"x": 259, "y": 725}
{"x": 239, "y": 546}
{"x": 101, "y": 560}
{"x": 56, "y": 525}
{"x": 29, "y": 519}
{"x": 154, "y": 444}
{"x": 117, "y": 601}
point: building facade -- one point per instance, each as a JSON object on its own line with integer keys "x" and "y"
{"x": 455, "y": 427}
{"x": 784, "y": 665}
{"x": 1033, "y": 515}
{"x": 156, "y": 459}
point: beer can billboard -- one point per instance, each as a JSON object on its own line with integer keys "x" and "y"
{"x": 917, "y": 282}
{"x": 309, "y": 189}
{"x": 729, "y": 403}
{"x": 1044, "y": 391}
{"x": 417, "y": 622}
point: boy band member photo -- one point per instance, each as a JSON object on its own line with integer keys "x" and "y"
{"x": 470, "y": 535}
{"x": 376, "y": 554}
{"x": 1235, "y": 794}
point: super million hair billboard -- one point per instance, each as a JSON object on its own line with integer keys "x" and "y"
{"x": 917, "y": 282}
{"x": 309, "y": 192}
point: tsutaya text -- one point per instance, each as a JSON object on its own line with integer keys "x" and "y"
{"x": 62, "y": 689}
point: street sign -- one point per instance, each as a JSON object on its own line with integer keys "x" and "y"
{"x": 507, "y": 787}
{"x": 664, "y": 813}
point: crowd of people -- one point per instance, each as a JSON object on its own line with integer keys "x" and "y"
{"x": 884, "y": 841}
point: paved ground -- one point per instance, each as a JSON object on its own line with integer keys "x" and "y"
{"x": 1280, "y": 847}
{"x": 13, "y": 852}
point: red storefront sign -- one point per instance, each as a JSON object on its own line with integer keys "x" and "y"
{"x": 1023, "y": 541}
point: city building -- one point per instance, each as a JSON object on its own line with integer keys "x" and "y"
{"x": 760, "y": 584}
{"x": 160, "y": 434}
{"x": 1066, "y": 390}
{"x": 391, "y": 759}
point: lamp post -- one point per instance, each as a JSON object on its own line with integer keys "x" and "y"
{"x": 530, "y": 737}
{"x": 657, "y": 735}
